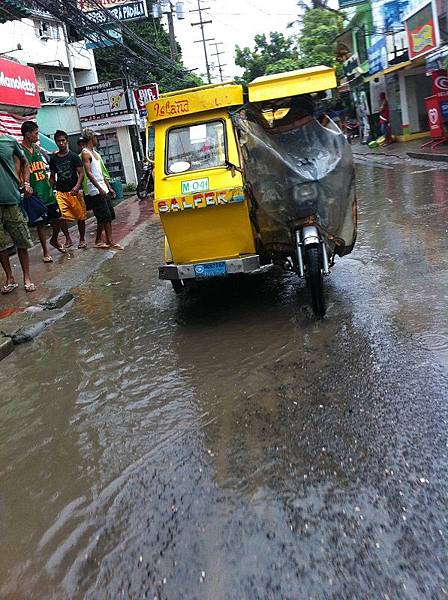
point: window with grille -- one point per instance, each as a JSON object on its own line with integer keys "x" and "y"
{"x": 57, "y": 82}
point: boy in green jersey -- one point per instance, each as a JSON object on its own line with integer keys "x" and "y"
{"x": 42, "y": 189}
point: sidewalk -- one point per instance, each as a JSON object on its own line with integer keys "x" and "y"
{"x": 19, "y": 310}
{"x": 411, "y": 149}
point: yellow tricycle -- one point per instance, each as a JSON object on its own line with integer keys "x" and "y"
{"x": 252, "y": 176}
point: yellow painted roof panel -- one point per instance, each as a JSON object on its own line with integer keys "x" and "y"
{"x": 194, "y": 100}
{"x": 293, "y": 83}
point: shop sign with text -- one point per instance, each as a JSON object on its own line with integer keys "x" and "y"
{"x": 439, "y": 83}
{"x": 143, "y": 95}
{"x": 422, "y": 30}
{"x": 98, "y": 40}
{"x": 18, "y": 85}
{"x": 129, "y": 11}
{"x": 377, "y": 56}
{"x": 104, "y": 104}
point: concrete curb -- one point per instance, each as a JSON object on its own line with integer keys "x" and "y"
{"x": 429, "y": 157}
{"x": 6, "y": 347}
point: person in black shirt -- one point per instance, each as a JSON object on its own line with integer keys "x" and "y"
{"x": 67, "y": 176}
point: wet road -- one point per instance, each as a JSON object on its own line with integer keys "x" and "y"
{"x": 230, "y": 447}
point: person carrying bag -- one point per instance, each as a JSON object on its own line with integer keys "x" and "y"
{"x": 34, "y": 209}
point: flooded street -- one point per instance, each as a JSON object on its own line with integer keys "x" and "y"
{"x": 227, "y": 445}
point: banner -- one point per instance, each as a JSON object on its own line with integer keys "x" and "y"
{"x": 439, "y": 83}
{"x": 377, "y": 54}
{"x": 435, "y": 117}
{"x": 104, "y": 105}
{"x": 143, "y": 95}
{"x": 128, "y": 11}
{"x": 98, "y": 41}
{"x": 18, "y": 85}
{"x": 388, "y": 16}
{"x": 422, "y": 30}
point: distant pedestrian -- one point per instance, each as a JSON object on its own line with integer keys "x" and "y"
{"x": 42, "y": 189}
{"x": 385, "y": 118}
{"x": 66, "y": 174}
{"x": 13, "y": 226}
{"x": 100, "y": 192}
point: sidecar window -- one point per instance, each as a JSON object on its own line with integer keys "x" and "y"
{"x": 195, "y": 147}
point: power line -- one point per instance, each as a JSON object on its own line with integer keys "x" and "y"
{"x": 204, "y": 41}
{"x": 218, "y": 54}
{"x": 70, "y": 14}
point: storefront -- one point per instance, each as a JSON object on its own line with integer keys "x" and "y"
{"x": 107, "y": 108}
{"x": 19, "y": 96}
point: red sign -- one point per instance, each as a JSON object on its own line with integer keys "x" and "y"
{"x": 435, "y": 116}
{"x": 18, "y": 85}
{"x": 144, "y": 94}
{"x": 422, "y": 30}
{"x": 439, "y": 83}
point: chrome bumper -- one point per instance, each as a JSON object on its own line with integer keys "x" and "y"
{"x": 245, "y": 264}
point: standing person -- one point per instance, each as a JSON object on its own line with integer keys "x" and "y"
{"x": 99, "y": 192}
{"x": 67, "y": 176}
{"x": 385, "y": 118}
{"x": 13, "y": 226}
{"x": 42, "y": 189}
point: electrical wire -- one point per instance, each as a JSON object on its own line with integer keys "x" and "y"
{"x": 79, "y": 20}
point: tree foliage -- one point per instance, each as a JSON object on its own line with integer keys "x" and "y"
{"x": 115, "y": 63}
{"x": 275, "y": 55}
{"x": 317, "y": 40}
{"x": 314, "y": 46}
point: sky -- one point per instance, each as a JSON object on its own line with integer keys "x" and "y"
{"x": 234, "y": 22}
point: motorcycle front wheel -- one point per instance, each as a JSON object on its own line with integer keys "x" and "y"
{"x": 315, "y": 279}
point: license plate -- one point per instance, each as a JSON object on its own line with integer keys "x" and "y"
{"x": 215, "y": 269}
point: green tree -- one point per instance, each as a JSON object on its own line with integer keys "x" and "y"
{"x": 316, "y": 42}
{"x": 115, "y": 62}
{"x": 275, "y": 55}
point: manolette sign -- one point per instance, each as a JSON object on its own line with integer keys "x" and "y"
{"x": 18, "y": 85}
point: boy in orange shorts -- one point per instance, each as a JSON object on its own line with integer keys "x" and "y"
{"x": 67, "y": 176}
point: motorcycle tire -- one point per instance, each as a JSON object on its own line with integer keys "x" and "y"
{"x": 315, "y": 279}
{"x": 142, "y": 188}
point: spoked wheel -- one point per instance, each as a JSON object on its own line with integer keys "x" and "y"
{"x": 315, "y": 279}
{"x": 145, "y": 186}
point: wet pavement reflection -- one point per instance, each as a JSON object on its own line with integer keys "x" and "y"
{"x": 229, "y": 446}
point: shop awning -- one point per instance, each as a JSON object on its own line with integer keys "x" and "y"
{"x": 47, "y": 143}
{"x": 391, "y": 69}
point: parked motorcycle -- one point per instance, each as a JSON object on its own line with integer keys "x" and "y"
{"x": 145, "y": 186}
{"x": 351, "y": 129}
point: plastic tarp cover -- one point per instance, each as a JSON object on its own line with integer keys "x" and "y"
{"x": 297, "y": 173}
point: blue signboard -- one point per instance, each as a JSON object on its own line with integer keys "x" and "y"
{"x": 97, "y": 41}
{"x": 377, "y": 56}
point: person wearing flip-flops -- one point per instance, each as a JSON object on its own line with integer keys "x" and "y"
{"x": 99, "y": 193}
{"x": 67, "y": 175}
{"x": 42, "y": 189}
{"x": 13, "y": 225}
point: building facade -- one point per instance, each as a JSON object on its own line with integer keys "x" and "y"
{"x": 405, "y": 40}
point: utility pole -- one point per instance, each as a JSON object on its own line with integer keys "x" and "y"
{"x": 218, "y": 54}
{"x": 71, "y": 69}
{"x": 173, "y": 45}
{"x": 166, "y": 7}
{"x": 201, "y": 23}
